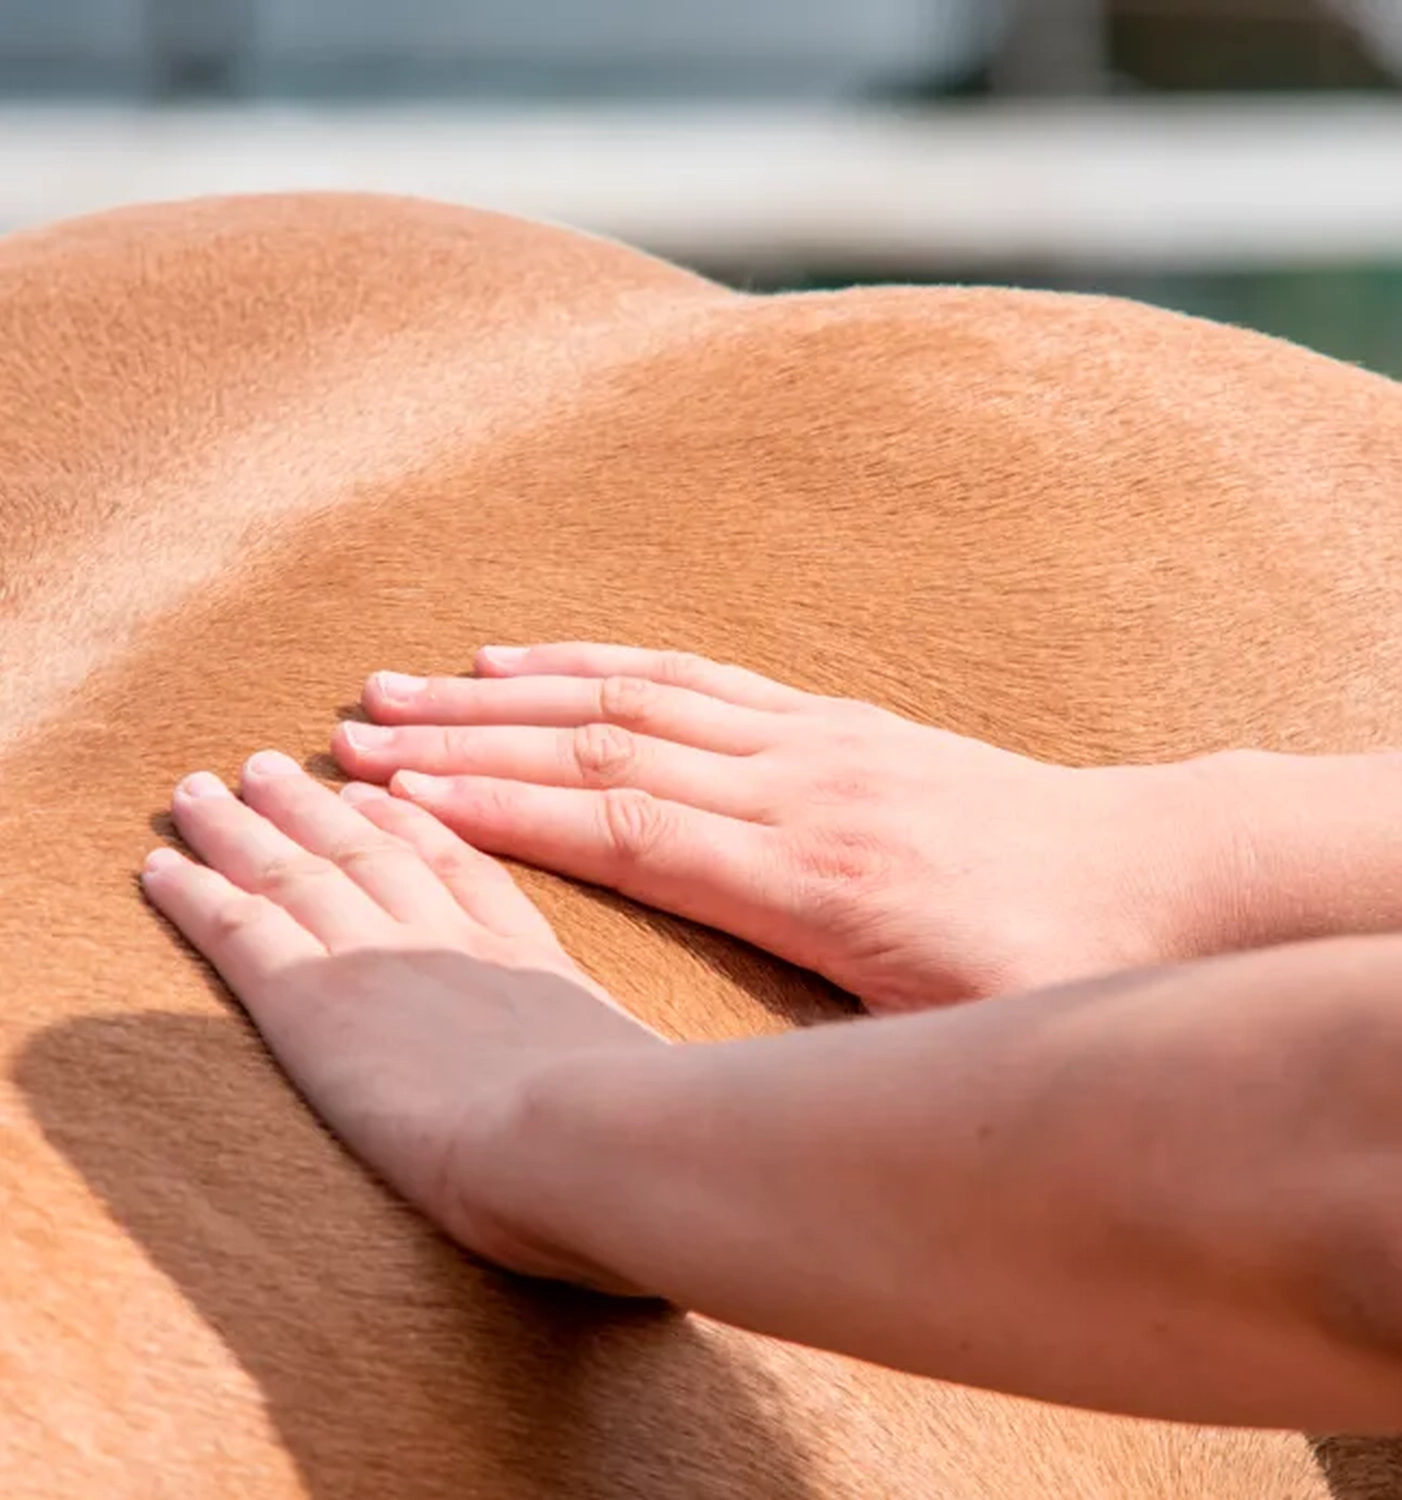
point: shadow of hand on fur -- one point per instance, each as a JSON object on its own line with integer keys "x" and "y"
{"x": 391, "y": 1363}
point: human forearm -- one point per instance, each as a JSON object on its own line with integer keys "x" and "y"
{"x": 1312, "y": 846}
{"x": 1153, "y": 1193}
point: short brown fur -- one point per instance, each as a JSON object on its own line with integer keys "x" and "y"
{"x": 252, "y": 449}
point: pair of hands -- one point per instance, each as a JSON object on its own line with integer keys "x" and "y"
{"x": 413, "y": 993}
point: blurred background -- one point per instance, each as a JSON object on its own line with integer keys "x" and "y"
{"x": 1240, "y": 158}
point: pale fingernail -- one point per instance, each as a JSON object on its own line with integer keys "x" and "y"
{"x": 356, "y": 792}
{"x": 398, "y": 685}
{"x": 420, "y": 787}
{"x": 366, "y": 736}
{"x": 271, "y": 763}
{"x": 204, "y": 784}
{"x": 503, "y": 656}
{"x": 161, "y": 859}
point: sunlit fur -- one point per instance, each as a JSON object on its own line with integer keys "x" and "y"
{"x": 251, "y": 450}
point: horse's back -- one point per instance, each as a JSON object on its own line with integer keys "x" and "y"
{"x": 253, "y": 450}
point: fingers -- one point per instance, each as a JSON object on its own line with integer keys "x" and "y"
{"x": 723, "y": 680}
{"x": 330, "y": 835}
{"x": 245, "y": 843}
{"x": 682, "y": 715}
{"x": 593, "y": 756}
{"x": 345, "y": 868}
{"x": 483, "y": 888}
{"x": 260, "y": 858}
{"x": 249, "y": 939}
{"x": 711, "y": 869}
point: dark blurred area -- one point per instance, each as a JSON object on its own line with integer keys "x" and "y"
{"x": 934, "y": 71}
{"x": 1255, "y": 44}
{"x": 358, "y": 49}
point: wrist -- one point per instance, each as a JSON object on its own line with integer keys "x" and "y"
{"x": 553, "y": 1167}
{"x": 1282, "y": 848}
{"x": 1207, "y": 893}
{"x": 603, "y": 1153}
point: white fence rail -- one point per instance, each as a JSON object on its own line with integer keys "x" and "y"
{"x": 1168, "y": 185}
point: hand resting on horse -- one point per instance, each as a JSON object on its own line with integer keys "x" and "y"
{"x": 1163, "y": 1191}
{"x": 908, "y": 865}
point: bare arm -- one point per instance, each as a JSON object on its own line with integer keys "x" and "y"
{"x": 1174, "y": 1192}
{"x": 1171, "y": 1191}
{"x": 1308, "y": 846}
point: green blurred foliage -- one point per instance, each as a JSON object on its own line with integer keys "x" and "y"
{"x": 1351, "y": 312}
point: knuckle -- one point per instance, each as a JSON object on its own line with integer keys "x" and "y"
{"x": 830, "y": 705}
{"x": 449, "y": 746}
{"x": 863, "y": 714}
{"x": 838, "y": 861}
{"x": 850, "y": 717}
{"x": 850, "y": 767}
{"x": 362, "y": 853}
{"x": 237, "y": 918}
{"x": 453, "y": 864}
{"x": 627, "y": 700}
{"x": 490, "y": 801}
{"x": 851, "y": 739}
{"x": 680, "y": 669}
{"x": 635, "y": 823}
{"x": 846, "y": 782}
{"x": 283, "y": 873}
{"x": 603, "y": 753}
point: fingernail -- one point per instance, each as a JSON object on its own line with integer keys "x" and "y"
{"x": 398, "y": 685}
{"x": 203, "y": 784}
{"x": 366, "y": 736}
{"x": 356, "y": 792}
{"x": 503, "y": 656}
{"x": 420, "y": 787}
{"x": 271, "y": 763}
{"x": 161, "y": 859}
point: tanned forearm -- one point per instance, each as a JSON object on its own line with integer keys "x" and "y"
{"x": 1172, "y": 1192}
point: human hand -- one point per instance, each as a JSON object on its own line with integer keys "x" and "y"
{"x": 406, "y": 984}
{"x": 908, "y": 865}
